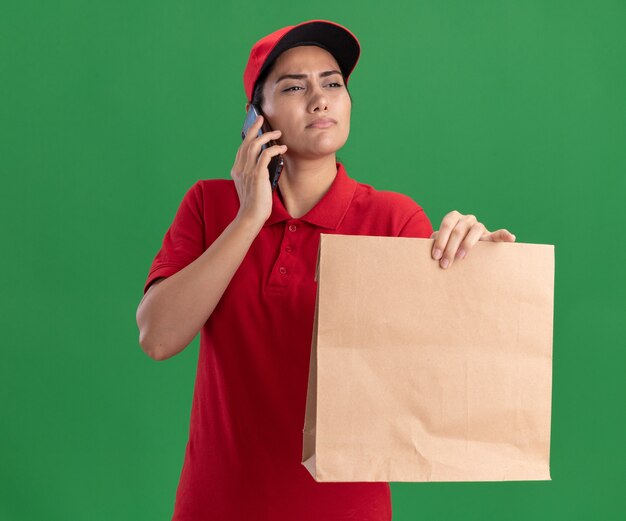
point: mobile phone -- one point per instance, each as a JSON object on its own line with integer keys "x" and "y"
{"x": 276, "y": 163}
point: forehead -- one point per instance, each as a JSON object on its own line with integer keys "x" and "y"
{"x": 300, "y": 59}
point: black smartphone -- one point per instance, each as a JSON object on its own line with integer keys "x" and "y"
{"x": 276, "y": 163}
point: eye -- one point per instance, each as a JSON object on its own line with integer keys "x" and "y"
{"x": 335, "y": 83}
{"x": 290, "y": 89}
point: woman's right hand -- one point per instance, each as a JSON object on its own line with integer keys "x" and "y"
{"x": 251, "y": 176}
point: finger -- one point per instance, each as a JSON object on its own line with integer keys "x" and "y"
{"x": 473, "y": 236}
{"x": 447, "y": 225}
{"x": 501, "y": 235}
{"x": 253, "y": 131}
{"x": 236, "y": 169}
{"x": 267, "y": 136}
{"x": 254, "y": 149}
{"x": 457, "y": 236}
{"x": 267, "y": 155}
{"x": 239, "y": 165}
{"x": 238, "y": 156}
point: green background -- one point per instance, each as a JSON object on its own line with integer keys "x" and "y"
{"x": 110, "y": 111}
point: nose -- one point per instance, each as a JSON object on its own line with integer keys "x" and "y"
{"x": 318, "y": 100}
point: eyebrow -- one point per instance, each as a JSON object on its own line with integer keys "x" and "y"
{"x": 303, "y": 76}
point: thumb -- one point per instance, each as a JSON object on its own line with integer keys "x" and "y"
{"x": 499, "y": 236}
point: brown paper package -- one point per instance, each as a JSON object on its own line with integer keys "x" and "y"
{"x": 423, "y": 374}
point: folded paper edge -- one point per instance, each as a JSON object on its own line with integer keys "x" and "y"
{"x": 309, "y": 464}
{"x": 310, "y": 415}
{"x": 317, "y": 263}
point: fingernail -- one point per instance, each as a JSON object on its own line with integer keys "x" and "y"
{"x": 437, "y": 254}
{"x": 444, "y": 263}
{"x": 460, "y": 254}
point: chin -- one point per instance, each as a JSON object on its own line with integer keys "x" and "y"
{"x": 330, "y": 146}
{"x": 321, "y": 147}
{"x": 321, "y": 151}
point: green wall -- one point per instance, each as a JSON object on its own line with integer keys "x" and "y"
{"x": 110, "y": 111}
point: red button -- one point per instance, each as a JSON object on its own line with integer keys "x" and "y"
{"x": 292, "y": 227}
{"x": 288, "y": 249}
{"x": 282, "y": 269}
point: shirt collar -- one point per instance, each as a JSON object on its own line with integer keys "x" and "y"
{"x": 329, "y": 211}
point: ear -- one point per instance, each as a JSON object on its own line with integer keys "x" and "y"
{"x": 247, "y": 107}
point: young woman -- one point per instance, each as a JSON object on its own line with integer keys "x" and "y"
{"x": 238, "y": 264}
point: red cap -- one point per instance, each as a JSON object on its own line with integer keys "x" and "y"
{"x": 336, "y": 39}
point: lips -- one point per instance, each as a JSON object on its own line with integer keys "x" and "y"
{"x": 322, "y": 123}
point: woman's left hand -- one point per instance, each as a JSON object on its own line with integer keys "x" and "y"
{"x": 458, "y": 233}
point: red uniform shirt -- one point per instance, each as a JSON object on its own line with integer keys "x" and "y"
{"x": 243, "y": 457}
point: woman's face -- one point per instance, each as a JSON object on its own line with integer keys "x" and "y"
{"x": 292, "y": 104}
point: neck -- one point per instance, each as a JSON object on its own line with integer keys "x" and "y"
{"x": 303, "y": 182}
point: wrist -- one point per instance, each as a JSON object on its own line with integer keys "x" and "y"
{"x": 249, "y": 223}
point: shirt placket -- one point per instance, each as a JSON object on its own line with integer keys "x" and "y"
{"x": 282, "y": 274}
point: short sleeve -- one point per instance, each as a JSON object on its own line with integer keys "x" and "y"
{"x": 184, "y": 241}
{"x": 417, "y": 226}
